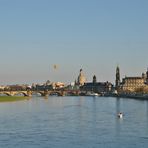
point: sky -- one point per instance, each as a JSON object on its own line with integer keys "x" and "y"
{"x": 95, "y": 35}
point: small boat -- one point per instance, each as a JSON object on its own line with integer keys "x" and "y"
{"x": 92, "y": 94}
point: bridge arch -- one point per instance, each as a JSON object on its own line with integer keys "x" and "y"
{"x": 19, "y": 93}
{"x": 6, "y": 93}
{"x": 58, "y": 93}
{"x": 41, "y": 93}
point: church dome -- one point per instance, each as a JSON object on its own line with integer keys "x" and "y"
{"x": 81, "y": 78}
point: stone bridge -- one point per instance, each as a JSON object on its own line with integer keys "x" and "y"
{"x": 42, "y": 93}
{"x": 15, "y": 93}
{"x": 56, "y": 92}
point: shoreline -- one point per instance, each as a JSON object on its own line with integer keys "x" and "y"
{"x": 132, "y": 96}
{"x": 11, "y": 98}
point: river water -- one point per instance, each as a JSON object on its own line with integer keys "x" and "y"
{"x": 74, "y": 122}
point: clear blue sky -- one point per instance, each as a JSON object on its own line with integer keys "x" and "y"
{"x": 95, "y": 35}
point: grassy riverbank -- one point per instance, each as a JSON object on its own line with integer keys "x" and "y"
{"x": 11, "y": 98}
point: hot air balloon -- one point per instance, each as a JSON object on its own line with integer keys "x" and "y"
{"x": 55, "y": 66}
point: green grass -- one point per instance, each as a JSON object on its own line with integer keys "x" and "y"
{"x": 11, "y": 98}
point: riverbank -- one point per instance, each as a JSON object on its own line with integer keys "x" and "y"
{"x": 12, "y": 98}
{"x": 133, "y": 96}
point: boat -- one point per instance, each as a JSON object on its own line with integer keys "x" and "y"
{"x": 92, "y": 94}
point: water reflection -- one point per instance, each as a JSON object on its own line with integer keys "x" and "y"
{"x": 118, "y": 108}
{"x": 147, "y": 114}
{"x": 118, "y": 120}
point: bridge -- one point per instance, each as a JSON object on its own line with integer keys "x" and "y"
{"x": 29, "y": 93}
{"x": 56, "y": 92}
{"x": 15, "y": 93}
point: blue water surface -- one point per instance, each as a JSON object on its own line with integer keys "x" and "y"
{"x": 74, "y": 122}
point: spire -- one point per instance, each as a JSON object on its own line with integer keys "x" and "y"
{"x": 94, "y": 79}
{"x": 147, "y": 76}
{"x": 117, "y": 83}
{"x": 117, "y": 69}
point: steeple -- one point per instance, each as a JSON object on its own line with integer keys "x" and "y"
{"x": 117, "y": 83}
{"x": 94, "y": 79}
{"x": 147, "y": 76}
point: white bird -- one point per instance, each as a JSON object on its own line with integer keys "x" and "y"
{"x": 120, "y": 115}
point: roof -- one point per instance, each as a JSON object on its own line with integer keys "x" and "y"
{"x": 96, "y": 84}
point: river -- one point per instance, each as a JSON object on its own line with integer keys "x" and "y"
{"x": 74, "y": 122}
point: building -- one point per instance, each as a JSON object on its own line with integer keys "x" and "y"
{"x": 97, "y": 87}
{"x": 81, "y": 78}
{"x": 135, "y": 84}
{"x": 94, "y": 79}
{"x": 131, "y": 84}
{"x": 42, "y": 87}
{"x": 117, "y": 81}
{"x": 58, "y": 85}
{"x": 147, "y": 77}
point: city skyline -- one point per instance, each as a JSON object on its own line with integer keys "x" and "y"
{"x": 95, "y": 35}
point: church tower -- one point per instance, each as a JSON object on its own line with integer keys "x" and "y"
{"x": 147, "y": 76}
{"x": 117, "y": 77}
{"x": 94, "y": 79}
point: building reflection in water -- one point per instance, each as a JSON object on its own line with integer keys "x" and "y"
{"x": 118, "y": 120}
{"x": 147, "y": 113}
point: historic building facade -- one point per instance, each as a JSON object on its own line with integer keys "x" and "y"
{"x": 97, "y": 87}
{"x": 135, "y": 84}
{"x": 132, "y": 84}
